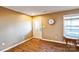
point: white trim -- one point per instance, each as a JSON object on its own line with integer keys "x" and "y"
{"x": 58, "y": 42}
{"x": 16, "y": 45}
{"x": 54, "y": 41}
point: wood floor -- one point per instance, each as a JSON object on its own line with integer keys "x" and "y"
{"x": 37, "y": 45}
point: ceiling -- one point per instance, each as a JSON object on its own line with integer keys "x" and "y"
{"x": 39, "y": 10}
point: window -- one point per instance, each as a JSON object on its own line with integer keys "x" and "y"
{"x": 71, "y": 26}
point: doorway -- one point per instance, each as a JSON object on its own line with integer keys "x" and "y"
{"x": 37, "y": 27}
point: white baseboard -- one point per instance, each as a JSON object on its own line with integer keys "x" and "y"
{"x": 58, "y": 42}
{"x": 54, "y": 41}
{"x": 16, "y": 45}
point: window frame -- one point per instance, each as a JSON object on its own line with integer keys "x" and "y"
{"x": 71, "y": 16}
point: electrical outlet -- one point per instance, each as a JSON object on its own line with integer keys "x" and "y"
{"x": 56, "y": 37}
{"x": 3, "y": 43}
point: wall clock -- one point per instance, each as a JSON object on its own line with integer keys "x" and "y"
{"x": 51, "y": 21}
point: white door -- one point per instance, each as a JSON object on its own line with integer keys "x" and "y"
{"x": 37, "y": 27}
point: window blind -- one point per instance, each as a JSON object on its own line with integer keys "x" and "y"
{"x": 71, "y": 26}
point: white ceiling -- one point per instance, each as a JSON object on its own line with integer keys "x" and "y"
{"x": 39, "y": 10}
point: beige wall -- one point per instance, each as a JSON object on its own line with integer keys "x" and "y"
{"x": 14, "y": 27}
{"x": 54, "y": 32}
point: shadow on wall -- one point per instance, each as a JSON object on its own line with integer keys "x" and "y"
{"x": 14, "y": 27}
{"x": 10, "y": 35}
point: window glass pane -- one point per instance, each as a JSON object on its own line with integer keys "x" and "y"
{"x": 71, "y": 27}
{"x": 75, "y": 22}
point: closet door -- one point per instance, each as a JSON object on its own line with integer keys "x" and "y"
{"x": 37, "y": 27}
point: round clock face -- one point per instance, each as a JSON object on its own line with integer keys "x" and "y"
{"x": 51, "y": 21}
